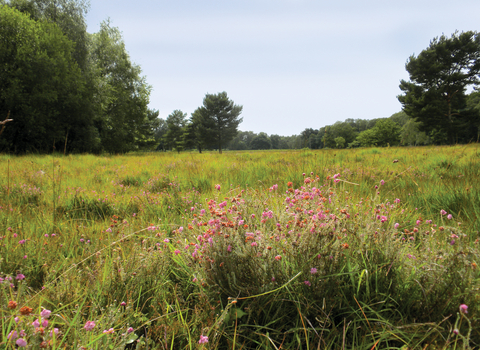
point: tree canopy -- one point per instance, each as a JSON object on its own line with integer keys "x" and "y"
{"x": 436, "y": 96}
{"x": 219, "y": 119}
{"x": 66, "y": 89}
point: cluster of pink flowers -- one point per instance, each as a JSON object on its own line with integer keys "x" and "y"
{"x": 89, "y": 325}
{"x": 203, "y": 339}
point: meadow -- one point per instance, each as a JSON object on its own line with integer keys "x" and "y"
{"x": 373, "y": 248}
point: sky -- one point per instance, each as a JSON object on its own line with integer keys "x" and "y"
{"x": 291, "y": 64}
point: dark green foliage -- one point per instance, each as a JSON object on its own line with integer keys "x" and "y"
{"x": 41, "y": 85}
{"x": 435, "y": 96}
{"x": 261, "y": 141}
{"x": 175, "y": 129}
{"x": 124, "y": 121}
{"x": 218, "y": 120}
{"x": 66, "y": 90}
{"x": 84, "y": 208}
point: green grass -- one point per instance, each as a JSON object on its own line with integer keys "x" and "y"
{"x": 147, "y": 242}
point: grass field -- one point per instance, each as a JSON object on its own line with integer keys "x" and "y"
{"x": 338, "y": 249}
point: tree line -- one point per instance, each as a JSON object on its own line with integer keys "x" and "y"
{"x": 437, "y": 107}
{"x": 66, "y": 90}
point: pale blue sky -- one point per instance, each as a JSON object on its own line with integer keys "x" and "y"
{"x": 292, "y": 64}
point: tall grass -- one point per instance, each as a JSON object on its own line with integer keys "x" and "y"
{"x": 254, "y": 250}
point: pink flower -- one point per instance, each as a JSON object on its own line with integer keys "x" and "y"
{"x": 21, "y": 342}
{"x": 180, "y": 229}
{"x": 307, "y": 283}
{"x": 110, "y": 331}
{"x": 45, "y": 323}
{"x": 463, "y": 309}
{"x": 89, "y": 325}
{"x": 177, "y": 251}
{"x": 229, "y": 248}
{"x": 278, "y": 257}
{"x": 130, "y": 330}
{"x": 203, "y": 339}
{"x": 383, "y": 218}
{"x": 36, "y": 323}
{"x": 313, "y": 270}
{"x": 382, "y": 182}
{"x": 217, "y": 187}
{"x": 55, "y": 331}
{"x": 45, "y": 313}
{"x": 443, "y": 212}
{"x": 12, "y": 335}
{"x": 396, "y": 225}
{"x": 449, "y": 217}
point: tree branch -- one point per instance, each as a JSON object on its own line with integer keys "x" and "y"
{"x": 5, "y": 122}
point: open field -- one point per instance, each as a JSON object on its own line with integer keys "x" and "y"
{"x": 341, "y": 249}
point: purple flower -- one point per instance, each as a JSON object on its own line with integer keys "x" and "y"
{"x": 203, "y": 339}
{"x": 463, "y": 309}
